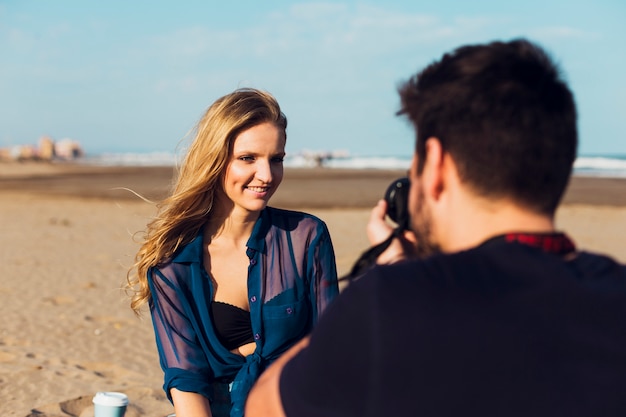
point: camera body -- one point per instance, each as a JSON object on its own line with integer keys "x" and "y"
{"x": 397, "y": 198}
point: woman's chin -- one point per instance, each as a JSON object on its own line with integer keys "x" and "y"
{"x": 256, "y": 206}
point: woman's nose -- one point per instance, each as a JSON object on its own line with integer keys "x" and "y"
{"x": 264, "y": 171}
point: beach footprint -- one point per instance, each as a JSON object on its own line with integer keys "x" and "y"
{"x": 107, "y": 370}
{"x": 7, "y": 357}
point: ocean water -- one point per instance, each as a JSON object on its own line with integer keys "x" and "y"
{"x": 612, "y": 166}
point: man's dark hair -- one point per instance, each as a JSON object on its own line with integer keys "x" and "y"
{"x": 504, "y": 114}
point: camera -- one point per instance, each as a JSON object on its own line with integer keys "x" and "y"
{"x": 397, "y": 198}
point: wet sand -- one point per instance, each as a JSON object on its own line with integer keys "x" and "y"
{"x": 301, "y": 187}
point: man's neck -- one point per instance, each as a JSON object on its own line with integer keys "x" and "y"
{"x": 478, "y": 222}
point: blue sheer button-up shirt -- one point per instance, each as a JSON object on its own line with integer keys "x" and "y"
{"x": 292, "y": 277}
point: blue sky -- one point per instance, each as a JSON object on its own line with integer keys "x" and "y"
{"x": 135, "y": 76}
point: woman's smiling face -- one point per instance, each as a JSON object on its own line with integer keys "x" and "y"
{"x": 255, "y": 168}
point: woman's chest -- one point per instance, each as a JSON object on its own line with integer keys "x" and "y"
{"x": 228, "y": 271}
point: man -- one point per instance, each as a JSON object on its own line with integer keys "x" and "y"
{"x": 500, "y": 314}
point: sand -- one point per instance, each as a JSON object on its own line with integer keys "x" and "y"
{"x": 66, "y": 243}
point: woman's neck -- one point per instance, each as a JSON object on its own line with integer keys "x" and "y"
{"x": 233, "y": 226}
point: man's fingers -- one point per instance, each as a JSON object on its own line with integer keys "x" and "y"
{"x": 377, "y": 228}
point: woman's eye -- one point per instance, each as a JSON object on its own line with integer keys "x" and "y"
{"x": 278, "y": 159}
{"x": 246, "y": 158}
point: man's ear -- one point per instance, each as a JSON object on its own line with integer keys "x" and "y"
{"x": 434, "y": 165}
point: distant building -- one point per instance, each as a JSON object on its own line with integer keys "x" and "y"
{"x": 46, "y": 150}
{"x": 68, "y": 149}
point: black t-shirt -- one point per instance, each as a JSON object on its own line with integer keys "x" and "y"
{"x": 503, "y": 329}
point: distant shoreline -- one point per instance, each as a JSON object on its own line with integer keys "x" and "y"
{"x": 301, "y": 187}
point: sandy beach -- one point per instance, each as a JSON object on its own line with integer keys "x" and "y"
{"x": 67, "y": 241}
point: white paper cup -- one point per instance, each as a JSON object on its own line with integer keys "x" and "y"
{"x": 110, "y": 404}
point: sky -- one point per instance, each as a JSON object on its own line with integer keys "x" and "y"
{"x": 135, "y": 76}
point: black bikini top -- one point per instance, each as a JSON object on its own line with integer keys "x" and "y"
{"x": 233, "y": 325}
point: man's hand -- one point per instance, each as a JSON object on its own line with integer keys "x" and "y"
{"x": 378, "y": 229}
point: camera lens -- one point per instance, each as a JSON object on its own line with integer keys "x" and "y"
{"x": 397, "y": 197}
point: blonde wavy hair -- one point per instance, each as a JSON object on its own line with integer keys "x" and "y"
{"x": 185, "y": 211}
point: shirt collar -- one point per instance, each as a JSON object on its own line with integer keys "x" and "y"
{"x": 557, "y": 243}
{"x": 260, "y": 230}
{"x": 193, "y": 251}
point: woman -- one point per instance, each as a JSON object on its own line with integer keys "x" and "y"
{"x": 231, "y": 283}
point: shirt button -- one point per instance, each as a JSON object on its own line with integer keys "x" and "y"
{"x": 252, "y": 262}
{"x": 257, "y": 336}
{"x": 253, "y": 298}
{"x": 289, "y": 310}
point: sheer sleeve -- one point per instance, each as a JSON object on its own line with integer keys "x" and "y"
{"x": 322, "y": 272}
{"x": 182, "y": 359}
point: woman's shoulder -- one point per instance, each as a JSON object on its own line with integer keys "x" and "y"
{"x": 188, "y": 253}
{"x": 278, "y": 213}
{"x": 294, "y": 219}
